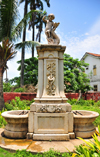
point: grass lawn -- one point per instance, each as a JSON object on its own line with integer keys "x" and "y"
{"x": 24, "y": 153}
{"x": 4, "y": 153}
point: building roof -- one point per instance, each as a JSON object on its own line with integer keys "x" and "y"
{"x": 92, "y": 54}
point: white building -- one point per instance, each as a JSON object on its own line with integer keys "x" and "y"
{"x": 93, "y": 69}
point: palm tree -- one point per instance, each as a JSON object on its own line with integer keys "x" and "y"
{"x": 34, "y": 4}
{"x": 7, "y": 52}
{"x": 39, "y": 25}
{"x": 23, "y": 49}
{"x": 8, "y": 16}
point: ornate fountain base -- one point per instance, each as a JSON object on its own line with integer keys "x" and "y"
{"x": 50, "y": 122}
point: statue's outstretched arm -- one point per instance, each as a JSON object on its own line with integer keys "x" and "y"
{"x": 44, "y": 19}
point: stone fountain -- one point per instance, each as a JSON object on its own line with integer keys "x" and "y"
{"x": 50, "y": 116}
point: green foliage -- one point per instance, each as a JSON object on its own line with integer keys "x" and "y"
{"x": 7, "y": 87}
{"x": 8, "y": 17}
{"x": 72, "y": 101}
{"x": 97, "y": 103}
{"x": 5, "y": 153}
{"x": 52, "y": 153}
{"x": 90, "y": 148}
{"x": 18, "y": 104}
{"x": 74, "y": 77}
{"x": 19, "y": 89}
{"x": 83, "y": 102}
{"x": 2, "y": 120}
{"x": 24, "y": 153}
{"x": 30, "y": 72}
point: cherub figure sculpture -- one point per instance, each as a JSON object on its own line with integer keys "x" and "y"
{"x": 52, "y": 37}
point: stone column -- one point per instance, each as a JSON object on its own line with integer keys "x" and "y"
{"x": 40, "y": 78}
{"x": 61, "y": 75}
{"x": 50, "y": 115}
{"x": 51, "y": 79}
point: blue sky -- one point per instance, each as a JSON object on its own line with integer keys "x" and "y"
{"x": 79, "y": 28}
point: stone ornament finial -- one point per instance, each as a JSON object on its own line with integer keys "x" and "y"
{"x": 52, "y": 37}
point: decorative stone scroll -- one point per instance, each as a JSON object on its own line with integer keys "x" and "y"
{"x": 51, "y": 108}
{"x": 51, "y": 76}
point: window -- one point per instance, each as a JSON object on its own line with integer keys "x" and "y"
{"x": 94, "y": 70}
{"x": 94, "y": 66}
{"x": 95, "y": 88}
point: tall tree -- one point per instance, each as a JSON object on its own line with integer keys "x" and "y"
{"x": 8, "y": 16}
{"x": 6, "y": 53}
{"x": 75, "y": 78}
{"x": 30, "y": 72}
{"x": 23, "y": 49}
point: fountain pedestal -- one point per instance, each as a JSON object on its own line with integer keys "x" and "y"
{"x": 50, "y": 116}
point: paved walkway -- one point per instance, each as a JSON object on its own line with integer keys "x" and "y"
{"x": 38, "y": 146}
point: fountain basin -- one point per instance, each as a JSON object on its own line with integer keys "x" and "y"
{"x": 17, "y": 125}
{"x": 83, "y": 124}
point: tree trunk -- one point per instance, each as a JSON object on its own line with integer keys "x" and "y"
{"x": 40, "y": 37}
{"x": 33, "y": 40}
{"x": 2, "y": 105}
{"x": 33, "y": 27}
{"x": 23, "y": 49}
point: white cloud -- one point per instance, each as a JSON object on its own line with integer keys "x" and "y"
{"x": 86, "y": 33}
{"x": 77, "y": 46}
{"x": 89, "y": 44}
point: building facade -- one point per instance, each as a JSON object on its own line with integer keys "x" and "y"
{"x": 93, "y": 70}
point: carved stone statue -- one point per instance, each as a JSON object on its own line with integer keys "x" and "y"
{"x": 52, "y": 37}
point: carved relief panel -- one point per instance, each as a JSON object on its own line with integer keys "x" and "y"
{"x": 51, "y": 77}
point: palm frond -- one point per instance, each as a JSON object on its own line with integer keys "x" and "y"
{"x": 48, "y": 3}
{"x": 7, "y": 51}
{"x": 8, "y": 17}
{"x": 27, "y": 44}
{"x": 22, "y": 24}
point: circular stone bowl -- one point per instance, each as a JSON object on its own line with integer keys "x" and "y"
{"x": 83, "y": 124}
{"x": 17, "y": 125}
